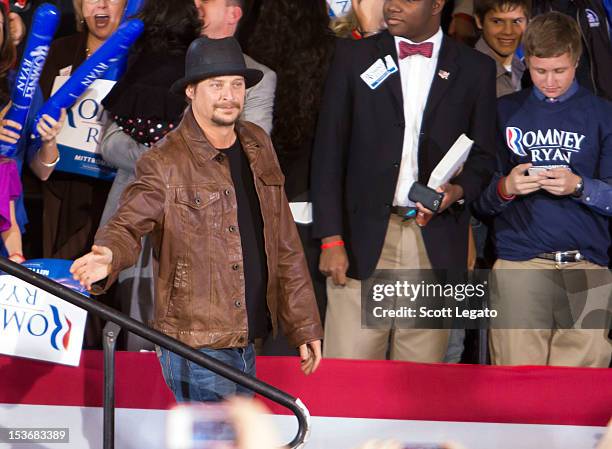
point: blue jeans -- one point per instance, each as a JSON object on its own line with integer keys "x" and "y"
{"x": 190, "y": 382}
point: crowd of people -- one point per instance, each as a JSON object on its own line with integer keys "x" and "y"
{"x": 260, "y": 185}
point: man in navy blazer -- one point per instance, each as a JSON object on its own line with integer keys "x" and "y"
{"x": 372, "y": 143}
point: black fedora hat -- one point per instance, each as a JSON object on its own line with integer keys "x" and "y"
{"x": 207, "y": 58}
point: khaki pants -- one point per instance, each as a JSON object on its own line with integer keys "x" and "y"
{"x": 531, "y": 296}
{"x": 344, "y": 338}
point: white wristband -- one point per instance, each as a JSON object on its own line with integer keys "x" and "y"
{"x": 47, "y": 164}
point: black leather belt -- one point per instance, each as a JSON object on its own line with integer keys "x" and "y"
{"x": 404, "y": 211}
{"x": 562, "y": 256}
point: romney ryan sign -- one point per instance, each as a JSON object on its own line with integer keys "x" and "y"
{"x": 35, "y": 324}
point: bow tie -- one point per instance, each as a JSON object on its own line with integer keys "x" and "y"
{"x": 424, "y": 49}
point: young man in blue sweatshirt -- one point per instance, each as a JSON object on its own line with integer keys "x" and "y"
{"x": 551, "y": 200}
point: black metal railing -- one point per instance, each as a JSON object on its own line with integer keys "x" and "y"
{"x": 109, "y": 341}
{"x": 123, "y": 321}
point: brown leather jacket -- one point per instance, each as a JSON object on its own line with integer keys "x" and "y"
{"x": 183, "y": 196}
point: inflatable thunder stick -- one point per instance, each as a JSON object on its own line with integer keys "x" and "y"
{"x": 118, "y": 68}
{"x": 93, "y": 68}
{"x": 44, "y": 25}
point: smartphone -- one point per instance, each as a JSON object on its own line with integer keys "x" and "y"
{"x": 535, "y": 171}
{"x": 200, "y": 426}
{"x": 428, "y": 197}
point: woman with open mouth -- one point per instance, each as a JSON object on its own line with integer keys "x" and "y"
{"x": 73, "y": 204}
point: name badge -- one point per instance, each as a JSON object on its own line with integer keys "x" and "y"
{"x": 378, "y": 72}
{"x": 390, "y": 63}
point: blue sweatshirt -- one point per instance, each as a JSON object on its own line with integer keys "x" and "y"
{"x": 575, "y": 133}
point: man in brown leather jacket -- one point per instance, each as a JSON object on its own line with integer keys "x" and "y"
{"x": 228, "y": 258}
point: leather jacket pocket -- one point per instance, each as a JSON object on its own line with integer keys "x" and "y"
{"x": 197, "y": 197}
{"x": 198, "y": 208}
{"x": 179, "y": 290}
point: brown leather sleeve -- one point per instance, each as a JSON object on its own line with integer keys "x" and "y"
{"x": 141, "y": 209}
{"x": 297, "y": 308}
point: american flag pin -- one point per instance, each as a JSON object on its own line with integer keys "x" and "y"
{"x": 443, "y": 74}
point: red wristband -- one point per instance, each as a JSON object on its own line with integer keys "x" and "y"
{"x": 500, "y": 191}
{"x": 332, "y": 244}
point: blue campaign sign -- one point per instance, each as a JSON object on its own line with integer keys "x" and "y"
{"x": 57, "y": 270}
{"x": 79, "y": 139}
{"x": 73, "y": 160}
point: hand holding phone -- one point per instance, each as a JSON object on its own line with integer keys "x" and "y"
{"x": 516, "y": 183}
{"x": 560, "y": 181}
{"x": 428, "y": 197}
{"x": 429, "y": 201}
{"x": 535, "y": 171}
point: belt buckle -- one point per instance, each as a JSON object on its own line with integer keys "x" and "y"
{"x": 559, "y": 256}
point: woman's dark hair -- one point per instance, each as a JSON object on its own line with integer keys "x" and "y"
{"x": 293, "y": 38}
{"x": 170, "y": 25}
{"x": 8, "y": 54}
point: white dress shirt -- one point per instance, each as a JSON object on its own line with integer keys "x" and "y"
{"x": 417, "y": 74}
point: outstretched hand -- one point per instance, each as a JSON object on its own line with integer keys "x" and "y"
{"x": 92, "y": 267}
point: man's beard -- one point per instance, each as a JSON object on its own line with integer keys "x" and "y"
{"x": 223, "y": 121}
